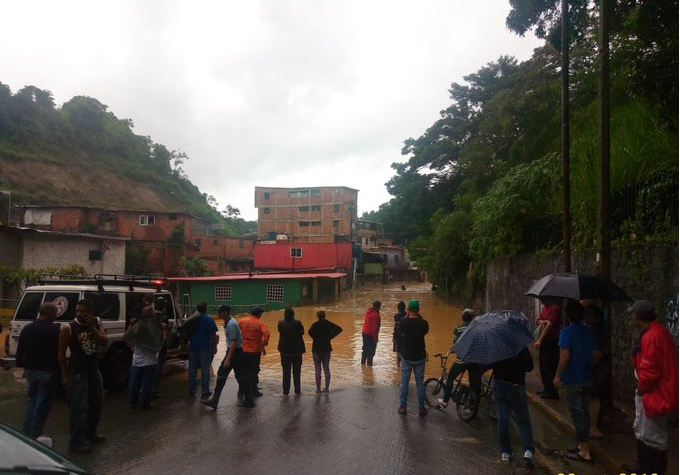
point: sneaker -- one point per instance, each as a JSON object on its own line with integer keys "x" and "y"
{"x": 206, "y": 395}
{"x": 506, "y": 457}
{"x": 246, "y": 404}
{"x": 318, "y": 391}
{"x": 442, "y": 403}
{"x": 528, "y": 458}
{"x": 45, "y": 440}
{"x": 210, "y": 403}
{"x": 402, "y": 410}
{"x": 422, "y": 411}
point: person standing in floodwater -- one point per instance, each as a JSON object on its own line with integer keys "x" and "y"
{"x": 369, "y": 333}
{"x": 322, "y": 332}
{"x": 412, "y": 331}
{"x": 291, "y": 346}
{"x": 401, "y": 313}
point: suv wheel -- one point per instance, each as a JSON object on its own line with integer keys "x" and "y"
{"x": 116, "y": 367}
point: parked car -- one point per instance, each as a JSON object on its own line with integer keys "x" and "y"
{"x": 116, "y": 299}
{"x": 22, "y": 454}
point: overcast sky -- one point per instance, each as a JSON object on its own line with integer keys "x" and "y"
{"x": 262, "y": 93}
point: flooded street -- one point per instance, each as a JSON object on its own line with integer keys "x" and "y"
{"x": 349, "y": 314}
{"x": 353, "y": 430}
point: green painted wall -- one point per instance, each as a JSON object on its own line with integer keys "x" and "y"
{"x": 373, "y": 268}
{"x": 246, "y": 293}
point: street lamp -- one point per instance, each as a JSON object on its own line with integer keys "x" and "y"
{"x": 9, "y": 203}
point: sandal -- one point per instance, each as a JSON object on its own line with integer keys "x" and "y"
{"x": 578, "y": 456}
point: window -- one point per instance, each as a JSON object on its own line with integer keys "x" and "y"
{"x": 266, "y": 195}
{"x": 396, "y": 258}
{"x": 147, "y": 220}
{"x": 315, "y": 223}
{"x": 95, "y": 256}
{"x": 303, "y": 208}
{"x": 172, "y": 217}
{"x": 240, "y": 243}
{"x": 315, "y": 192}
{"x": 304, "y": 223}
{"x": 266, "y": 211}
{"x": 316, "y": 208}
{"x": 304, "y": 193}
{"x": 275, "y": 293}
{"x": 336, "y": 223}
{"x": 105, "y": 222}
{"x": 336, "y": 208}
{"x": 296, "y": 252}
{"x": 293, "y": 194}
{"x": 223, "y": 292}
{"x": 106, "y": 305}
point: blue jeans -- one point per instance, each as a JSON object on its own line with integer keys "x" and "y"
{"x": 418, "y": 368}
{"x": 202, "y": 360}
{"x": 142, "y": 383}
{"x": 576, "y": 395}
{"x": 85, "y": 396}
{"x": 41, "y": 386}
{"x": 511, "y": 400}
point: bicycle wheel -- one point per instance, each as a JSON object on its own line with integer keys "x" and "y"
{"x": 466, "y": 404}
{"x": 433, "y": 389}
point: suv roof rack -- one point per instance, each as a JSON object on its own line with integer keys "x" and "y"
{"x": 158, "y": 281}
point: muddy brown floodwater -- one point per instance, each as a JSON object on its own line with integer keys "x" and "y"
{"x": 348, "y": 312}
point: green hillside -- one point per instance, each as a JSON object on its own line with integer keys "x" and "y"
{"x": 82, "y": 154}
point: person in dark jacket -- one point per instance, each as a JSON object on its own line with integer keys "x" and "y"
{"x": 412, "y": 331}
{"x": 401, "y": 313}
{"x": 322, "y": 332}
{"x": 510, "y": 397}
{"x": 291, "y": 346}
{"x": 37, "y": 353}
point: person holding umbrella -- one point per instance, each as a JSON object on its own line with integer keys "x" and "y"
{"x": 548, "y": 348}
{"x": 499, "y": 339}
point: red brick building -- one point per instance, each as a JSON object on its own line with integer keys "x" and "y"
{"x": 319, "y": 214}
{"x": 164, "y": 238}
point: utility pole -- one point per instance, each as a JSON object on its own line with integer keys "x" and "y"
{"x": 604, "y": 184}
{"x": 566, "y": 199}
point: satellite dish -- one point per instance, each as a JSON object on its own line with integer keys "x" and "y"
{"x": 282, "y": 237}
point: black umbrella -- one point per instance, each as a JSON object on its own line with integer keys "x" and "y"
{"x": 577, "y": 286}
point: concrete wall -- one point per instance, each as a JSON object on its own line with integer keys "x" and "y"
{"x": 41, "y": 251}
{"x": 644, "y": 272}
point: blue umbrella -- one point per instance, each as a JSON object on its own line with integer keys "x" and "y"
{"x": 494, "y": 336}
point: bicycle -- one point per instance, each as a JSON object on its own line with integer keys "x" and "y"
{"x": 461, "y": 394}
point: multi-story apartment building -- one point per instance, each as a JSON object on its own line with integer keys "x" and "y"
{"x": 319, "y": 214}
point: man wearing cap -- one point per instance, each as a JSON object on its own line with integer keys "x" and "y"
{"x": 369, "y": 333}
{"x": 655, "y": 360}
{"x": 255, "y": 336}
{"x": 412, "y": 331}
{"x": 232, "y": 360}
{"x": 459, "y": 366}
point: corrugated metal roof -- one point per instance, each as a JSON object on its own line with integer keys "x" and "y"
{"x": 330, "y": 275}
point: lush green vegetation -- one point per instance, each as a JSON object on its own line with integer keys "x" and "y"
{"x": 484, "y": 180}
{"x": 85, "y": 135}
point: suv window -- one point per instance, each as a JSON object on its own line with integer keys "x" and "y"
{"x": 30, "y": 305}
{"x": 106, "y": 305}
{"x": 66, "y": 304}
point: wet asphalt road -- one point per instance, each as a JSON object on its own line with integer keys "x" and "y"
{"x": 353, "y": 430}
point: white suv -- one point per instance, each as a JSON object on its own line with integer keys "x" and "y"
{"x": 116, "y": 299}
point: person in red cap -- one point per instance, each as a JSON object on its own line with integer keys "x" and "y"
{"x": 369, "y": 333}
{"x": 655, "y": 360}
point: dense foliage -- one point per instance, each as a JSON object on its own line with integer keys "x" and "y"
{"x": 484, "y": 180}
{"x": 84, "y": 134}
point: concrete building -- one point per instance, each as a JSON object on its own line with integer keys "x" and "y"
{"x": 32, "y": 249}
{"x": 282, "y": 255}
{"x": 319, "y": 214}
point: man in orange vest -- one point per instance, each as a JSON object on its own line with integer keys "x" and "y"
{"x": 255, "y": 336}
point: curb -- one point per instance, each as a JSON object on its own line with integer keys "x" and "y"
{"x": 601, "y": 455}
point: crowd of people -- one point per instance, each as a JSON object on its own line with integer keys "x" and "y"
{"x": 580, "y": 366}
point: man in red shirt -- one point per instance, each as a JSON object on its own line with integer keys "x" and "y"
{"x": 369, "y": 333}
{"x": 655, "y": 360}
{"x": 548, "y": 347}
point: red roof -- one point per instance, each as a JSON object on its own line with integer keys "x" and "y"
{"x": 330, "y": 275}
